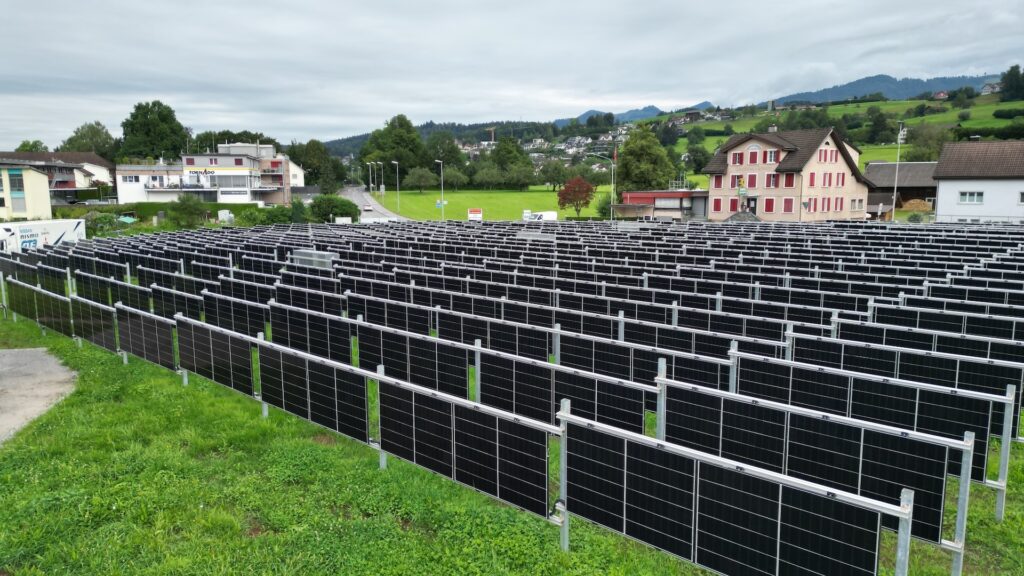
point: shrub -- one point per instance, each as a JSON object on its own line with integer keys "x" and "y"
{"x": 325, "y": 206}
{"x": 915, "y": 218}
{"x": 964, "y": 115}
{"x": 188, "y": 211}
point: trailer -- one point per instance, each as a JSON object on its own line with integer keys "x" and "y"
{"x": 19, "y": 236}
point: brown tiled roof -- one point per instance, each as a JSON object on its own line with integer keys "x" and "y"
{"x": 984, "y": 160}
{"x": 912, "y": 174}
{"x": 800, "y": 145}
{"x": 65, "y": 157}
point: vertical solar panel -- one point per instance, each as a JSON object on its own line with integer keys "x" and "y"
{"x": 476, "y": 449}
{"x": 818, "y": 535}
{"x": 397, "y": 421}
{"x": 737, "y": 521}
{"x": 54, "y": 312}
{"x": 95, "y": 323}
{"x": 659, "y": 499}
{"x": 147, "y": 336}
{"x": 21, "y": 298}
{"x": 596, "y": 476}
{"x": 432, "y": 421}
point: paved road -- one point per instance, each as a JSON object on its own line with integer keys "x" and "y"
{"x": 361, "y": 198}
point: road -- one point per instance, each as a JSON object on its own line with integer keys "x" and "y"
{"x": 361, "y": 198}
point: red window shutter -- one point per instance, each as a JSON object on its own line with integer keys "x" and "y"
{"x": 718, "y": 180}
{"x": 752, "y": 181}
{"x": 190, "y": 161}
{"x": 741, "y": 158}
{"x": 734, "y": 204}
{"x": 787, "y": 205}
{"x": 769, "y": 204}
{"x": 790, "y": 179}
{"x": 716, "y": 205}
{"x": 811, "y": 181}
{"x": 238, "y": 161}
{"x": 764, "y": 157}
{"x": 753, "y": 156}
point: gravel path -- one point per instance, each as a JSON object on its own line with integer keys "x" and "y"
{"x": 31, "y": 381}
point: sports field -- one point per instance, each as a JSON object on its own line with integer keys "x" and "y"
{"x": 496, "y": 204}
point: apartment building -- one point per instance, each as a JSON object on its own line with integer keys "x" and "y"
{"x": 24, "y": 193}
{"x": 790, "y": 176}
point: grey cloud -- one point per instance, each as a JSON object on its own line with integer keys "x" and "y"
{"x": 309, "y": 68}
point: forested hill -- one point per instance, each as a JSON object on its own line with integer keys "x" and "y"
{"x": 463, "y": 132}
{"x": 891, "y": 88}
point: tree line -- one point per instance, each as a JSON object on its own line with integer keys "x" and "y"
{"x": 152, "y": 131}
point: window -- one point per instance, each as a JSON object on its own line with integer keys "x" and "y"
{"x": 812, "y": 205}
{"x": 213, "y": 161}
{"x": 238, "y": 161}
{"x": 827, "y": 179}
{"x": 787, "y": 205}
{"x": 769, "y": 205}
{"x": 771, "y": 180}
{"x": 130, "y": 178}
{"x": 716, "y": 205}
{"x": 771, "y": 156}
{"x": 810, "y": 181}
{"x": 826, "y": 204}
{"x": 752, "y": 181}
{"x": 737, "y": 158}
{"x": 841, "y": 179}
{"x": 972, "y": 197}
{"x": 17, "y": 181}
{"x": 18, "y": 205}
{"x": 190, "y": 161}
{"x": 753, "y": 156}
{"x": 735, "y": 180}
{"x": 3, "y": 202}
{"x": 820, "y": 154}
{"x": 718, "y": 180}
{"x": 1021, "y": 199}
{"x": 835, "y": 156}
{"x": 734, "y": 204}
{"x": 790, "y": 180}
{"x": 839, "y": 204}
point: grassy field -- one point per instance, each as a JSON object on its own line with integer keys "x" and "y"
{"x": 135, "y": 474}
{"x": 496, "y": 204}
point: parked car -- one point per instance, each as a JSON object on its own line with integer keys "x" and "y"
{"x": 367, "y": 208}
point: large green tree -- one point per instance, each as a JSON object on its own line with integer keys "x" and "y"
{"x": 454, "y": 178}
{"x": 327, "y": 206}
{"x": 1013, "y": 84}
{"x": 210, "y": 138}
{"x": 321, "y": 168}
{"x": 487, "y": 174}
{"x": 926, "y": 141}
{"x": 420, "y": 178}
{"x": 90, "y": 137}
{"x": 554, "y": 173}
{"x": 152, "y": 130}
{"x": 397, "y": 141}
{"x": 520, "y": 175}
{"x": 32, "y": 146}
{"x": 442, "y": 146}
{"x": 507, "y": 152}
{"x": 643, "y": 163}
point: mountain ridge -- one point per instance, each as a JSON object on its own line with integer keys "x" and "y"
{"x": 891, "y": 87}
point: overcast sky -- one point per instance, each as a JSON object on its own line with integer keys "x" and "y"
{"x": 326, "y": 69}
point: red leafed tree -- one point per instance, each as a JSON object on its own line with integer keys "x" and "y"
{"x": 577, "y": 193}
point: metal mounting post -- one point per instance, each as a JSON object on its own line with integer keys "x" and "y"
{"x": 659, "y": 424}
{"x": 556, "y": 343}
{"x": 563, "y": 466}
{"x": 790, "y": 342}
{"x": 757, "y": 290}
{"x": 476, "y": 373}
{"x": 264, "y": 408}
{"x": 718, "y": 301}
{"x": 835, "y": 324}
{"x": 383, "y": 456}
{"x": 962, "y": 503}
{"x": 903, "y": 536}
{"x": 124, "y": 357}
{"x": 1004, "y": 450}
{"x": 184, "y": 377}
{"x": 734, "y": 347}
{"x": 622, "y": 326}
{"x": 675, "y": 312}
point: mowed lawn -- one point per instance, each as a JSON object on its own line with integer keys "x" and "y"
{"x": 135, "y": 474}
{"x": 496, "y": 204}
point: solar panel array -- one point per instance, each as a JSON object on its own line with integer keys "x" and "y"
{"x": 912, "y": 329}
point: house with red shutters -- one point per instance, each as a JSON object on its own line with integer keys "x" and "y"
{"x": 790, "y": 176}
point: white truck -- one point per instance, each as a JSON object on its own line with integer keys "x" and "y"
{"x": 18, "y": 236}
{"x": 531, "y": 216}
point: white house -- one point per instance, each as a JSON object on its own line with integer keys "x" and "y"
{"x": 980, "y": 181}
{"x": 148, "y": 182}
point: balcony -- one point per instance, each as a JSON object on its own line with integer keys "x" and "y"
{"x": 272, "y": 170}
{"x": 159, "y": 186}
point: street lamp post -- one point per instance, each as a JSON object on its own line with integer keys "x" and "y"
{"x": 369, "y": 169}
{"x": 441, "y": 162}
{"x": 380, "y": 166}
{"x": 611, "y": 198}
{"x": 398, "y": 189}
{"x": 896, "y": 182}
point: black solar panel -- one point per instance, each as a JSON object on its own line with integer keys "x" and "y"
{"x": 147, "y": 336}
{"x": 54, "y": 312}
{"x": 95, "y": 323}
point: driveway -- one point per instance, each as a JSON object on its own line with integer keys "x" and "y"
{"x": 361, "y": 198}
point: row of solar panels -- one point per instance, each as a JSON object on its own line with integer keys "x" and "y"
{"x": 507, "y": 456}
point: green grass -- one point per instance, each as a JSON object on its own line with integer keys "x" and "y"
{"x": 135, "y": 474}
{"x": 496, "y": 204}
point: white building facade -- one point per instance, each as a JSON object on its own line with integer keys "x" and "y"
{"x": 980, "y": 181}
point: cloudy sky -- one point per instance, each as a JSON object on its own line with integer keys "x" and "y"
{"x": 326, "y": 69}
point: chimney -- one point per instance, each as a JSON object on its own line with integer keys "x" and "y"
{"x": 773, "y": 129}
